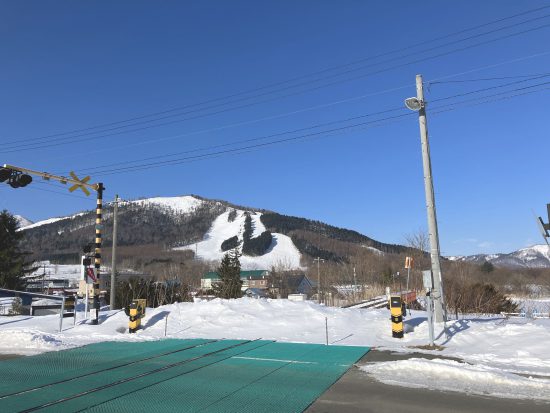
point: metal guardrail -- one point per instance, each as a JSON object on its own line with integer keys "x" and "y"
{"x": 376, "y": 302}
{"x": 14, "y": 293}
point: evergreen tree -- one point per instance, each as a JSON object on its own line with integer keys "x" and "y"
{"x": 247, "y": 233}
{"x": 487, "y": 267}
{"x": 229, "y": 272}
{"x": 13, "y": 264}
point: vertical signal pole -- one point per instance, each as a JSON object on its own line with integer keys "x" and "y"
{"x": 437, "y": 293}
{"x": 319, "y": 259}
{"x": 98, "y": 228}
{"x": 113, "y": 257}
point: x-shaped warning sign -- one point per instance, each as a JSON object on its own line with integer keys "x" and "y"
{"x": 81, "y": 185}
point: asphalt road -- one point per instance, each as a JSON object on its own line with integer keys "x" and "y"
{"x": 358, "y": 392}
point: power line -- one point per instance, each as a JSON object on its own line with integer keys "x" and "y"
{"x": 440, "y": 109}
{"x": 336, "y": 67}
{"x": 26, "y": 146}
{"x": 33, "y": 146}
{"x": 490, "y": 88}
{"x": 319, "y": 125}
{"x": 429, "y": 82}
{"x": 254, "y": 146}
{"x": 56, "y": 192}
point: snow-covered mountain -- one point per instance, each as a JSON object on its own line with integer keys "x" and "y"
{"x": 281, "y": 253}
{"x": 537, "y": 256}
{"x": 206, "y": 228}
{"x": 23, "y": 222}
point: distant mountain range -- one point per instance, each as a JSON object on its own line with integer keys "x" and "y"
{"x": 207, "y": 228}
{"x": 537, "y": 256}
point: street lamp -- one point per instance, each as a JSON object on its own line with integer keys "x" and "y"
{"x": 418, "y": 104}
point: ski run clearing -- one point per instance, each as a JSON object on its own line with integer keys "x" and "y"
{"x": 498, "y": 357}
{"x": 281, "y": 254}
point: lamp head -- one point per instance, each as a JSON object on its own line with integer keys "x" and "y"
{"x": 414, "y": 104}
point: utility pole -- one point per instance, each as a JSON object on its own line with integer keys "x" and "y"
{"x": 354, "y": 286}
{"x": 418, "y": 104}
{"x": 318, "y": 259}
{"x": 113, "y": 257}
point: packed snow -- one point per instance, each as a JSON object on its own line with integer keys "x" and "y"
{"x": 281, "y": 254}
{"x": 450, "y": 375}
{"x": 496, "y": 354}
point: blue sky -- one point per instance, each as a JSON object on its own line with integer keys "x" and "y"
{"x": 73, "y": 65}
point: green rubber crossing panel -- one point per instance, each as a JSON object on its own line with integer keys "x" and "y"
{"x": 211, "y": 376}
{"x": 30, "y": 372}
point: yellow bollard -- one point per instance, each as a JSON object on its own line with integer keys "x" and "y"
{"x": 396, "y": 310}
{"x": 136, "y": 313}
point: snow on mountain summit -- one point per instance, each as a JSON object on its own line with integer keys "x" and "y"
{"x": 23, "y": 222}
{"x": 179, "y": 204}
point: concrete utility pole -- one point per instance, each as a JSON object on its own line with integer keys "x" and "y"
{"x": 319, "y": 259}
{"x": 113, "y": 257}
{"x": 437, "y": 293}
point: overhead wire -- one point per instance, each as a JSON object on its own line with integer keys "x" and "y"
{"x": 30, "y": 146}
{"x": 336, "y": 67}
{"x": 398, "y": 108}
{"x": 439, "y": 109}
{"x": 378, "y": 122}
{"x": 428, "y": 83}
{"x": 319, "y": 125}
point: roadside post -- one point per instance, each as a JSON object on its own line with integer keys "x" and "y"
{"x": 136, "y": 313}
{"x": 396, "y": 309}
{"x": 61, "y": 314}
{"x": 70, "y": 307}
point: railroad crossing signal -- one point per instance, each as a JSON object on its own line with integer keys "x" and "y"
{"x": 19, "y": 177}
{"x": 83, "y": 182}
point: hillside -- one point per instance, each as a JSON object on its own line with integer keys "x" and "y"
{"x": 206, "y": 228}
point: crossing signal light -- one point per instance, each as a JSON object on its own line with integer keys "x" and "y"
{"x": 5, "y": 174}
{"x": 15, "y": 179}
{"x": 19, "y": 180}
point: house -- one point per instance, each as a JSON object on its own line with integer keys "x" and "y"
{"x": 292, "y": 284}
{"x": 257, "y": 279}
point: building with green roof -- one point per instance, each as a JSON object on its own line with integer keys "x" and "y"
{"x": 250, "y": 279}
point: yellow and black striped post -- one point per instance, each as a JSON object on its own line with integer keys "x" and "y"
{"x": 136, "y": 313}
{"x": 98, "y": 228}
{"x": 396, "y": 310}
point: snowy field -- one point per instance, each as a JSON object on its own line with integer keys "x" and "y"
{"x": 498, "y": 356}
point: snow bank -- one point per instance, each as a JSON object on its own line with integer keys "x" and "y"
{"x": 496, "y": 349}
{"x": 455, "y": 376}
{"x": 29, "y": 342}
